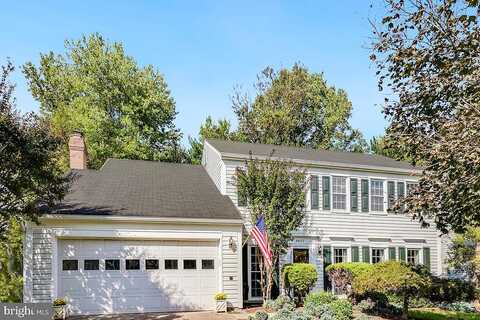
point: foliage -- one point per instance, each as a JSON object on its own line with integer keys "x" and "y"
{"x": 382, "y": 146}
{"x": 426, "y": 53}
{"x": 451, "y": 290}
{"x": 437, "y": 314}
{"x": 59, "y": 302}
{"x": 462, "y": 254}
{"x": 29, "y": 176}
{"x": 276, "y": 190}
{"x": 11, "y": 253}
{"x": 342, "y": 274}
{"x": 342, "y": 309}
{"x": 318, "y": 310}
{"x": 296, "y": 107}
{"x": 392, "y": 277}
{"x": 461, "y": 306}
{"x": 259, "y": 315}
{"x": 220, "y": 296}
{"x": 287, "y": 314}
{"x": 319, "y": 298}
{"x": 284, "y": 302}
{"x": 124, "y": 111}
{"x": 300, "y": 277}
{"x": 210, "y": 130}
{"x": 413, "y": 302}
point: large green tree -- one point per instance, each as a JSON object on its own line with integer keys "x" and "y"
{"x": 297, "y": 107}
{"x": 273, "y": 189}
{"x": 124, "y": 110}
{"x": 426, "y": 52}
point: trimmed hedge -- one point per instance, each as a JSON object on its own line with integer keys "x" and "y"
{"x": 300, "y": 277}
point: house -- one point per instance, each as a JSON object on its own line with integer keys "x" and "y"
{"x": 144, "y": 236}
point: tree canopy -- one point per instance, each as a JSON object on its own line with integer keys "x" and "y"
{"x": 124, "y": 110}
{"x": 297, "y": 107}
{"x": 426, "y": 53}
{"x": 29, "y": 175}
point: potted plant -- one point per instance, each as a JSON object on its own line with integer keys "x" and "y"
{"x": 221, "y": 302}
{"x": 60, "y": 309}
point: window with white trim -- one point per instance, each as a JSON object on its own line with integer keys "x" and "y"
{"x": 413, "y": 256}
{"x": 340, "y": 255}
{"x": 378, "y": 255}
{"x": 376, "y": 195}
{"x": 339, "y": 193}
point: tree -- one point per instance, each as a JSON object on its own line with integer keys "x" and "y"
{"x": 298, "y": 108}
{"x": 392, "y": 277}
{"x": 464, "y": 256}
{"x": 382, "y": 146}
{"x": 29, "y": 175}
{"x": 210, "y": 130}
{"x": 275, "y": 190}
{"x": 124, "y": 110}
{"x": 11, "y": 268}
{"x": 426, "y": 53}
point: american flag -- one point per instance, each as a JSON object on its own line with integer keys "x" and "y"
{"x": 259, "y": 233}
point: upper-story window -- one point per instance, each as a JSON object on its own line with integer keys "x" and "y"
{"x": 339, "y": 193}
{"x": 376, "y": 192}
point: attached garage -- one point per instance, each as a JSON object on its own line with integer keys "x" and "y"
{"x": 108, "y": 276}
{"x": 137, "y": 236}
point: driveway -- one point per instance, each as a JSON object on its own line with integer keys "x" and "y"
{"x": 202, "y": 315}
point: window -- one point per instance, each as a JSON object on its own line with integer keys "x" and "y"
{"x": 300, "y": 256}
{"x": 91, "y": 265}
{"x": 112, "y": 264}
{"x": 376, "y": 191}
{"x": 378, "y": 255}
{"x": 151, "y": 264}
{"x": 255, "y": 287}
{"x": 171, "y": 264}
{"x": 208, "y": 264}
{"x": 340, "y": 255}
{"x": 189, "y": 264}
{"x": 411, "y": 186}
{"x": 339, "y": 193}
{"x": 70, "y": 265}
{"x": 413, "y": 256}
{"x": 132, "y": 264}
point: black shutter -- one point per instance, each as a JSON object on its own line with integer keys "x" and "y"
{"x": 364, "y": 195}
{"x": 392, "y": 254}
{"x": 402, "y": 254}
{"x": 354, "y": 194}
{"x": 401, "y": 193}
{"x": 391, "y": 194}
{"x": 426, "y": 258}
{"x": 314, "y": 192}
{"x": 327, "y": 255}
{"x": 326, "y": 192}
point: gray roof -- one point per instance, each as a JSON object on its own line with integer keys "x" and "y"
{"x": 350, "y": 159}
{"x": 147, "y": 189}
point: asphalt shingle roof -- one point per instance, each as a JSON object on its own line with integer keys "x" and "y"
{"x": 231, "y": 148}
{"x": 147, "y": 189}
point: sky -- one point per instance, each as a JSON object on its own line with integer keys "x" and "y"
{"x": 206, "y": 48}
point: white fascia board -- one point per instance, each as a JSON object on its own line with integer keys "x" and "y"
{"x": 133, "y": 219}
{"x": 326, "y": 164}
{"x": 73, "y": 233}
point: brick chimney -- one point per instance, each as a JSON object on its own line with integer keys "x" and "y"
{"x": 78, "y": 151}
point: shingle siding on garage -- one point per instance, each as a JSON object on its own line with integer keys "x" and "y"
{"x": 41, "y": 266}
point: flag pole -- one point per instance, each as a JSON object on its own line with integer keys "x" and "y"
{"x": 246, "y": 240}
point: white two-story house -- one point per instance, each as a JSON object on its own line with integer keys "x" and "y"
{"x": 145, "y": 236}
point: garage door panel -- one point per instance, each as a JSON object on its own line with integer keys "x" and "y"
{"x": 112, "y": 291}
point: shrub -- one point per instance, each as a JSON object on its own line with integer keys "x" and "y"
{"x": 316, "y": 311}
{"x": 59, "y": 302}
{"x": 414, "y": 302}
{"x": 342, "y": 309}
{"x": 367, "y": 305}
{"x": 451, "y": 290}
{"x": 220, "y": 296}
{"x": 300, "y": 277}
{"x": 460, "y": 306}
{"x": 269, "y": 304}
{"x": 283, "y": 302}
{"x": 319, "y": 298}
{"x": 342, "y": 274}
{"x": 260, "y": 315}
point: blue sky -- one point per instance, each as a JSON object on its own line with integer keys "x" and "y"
{"x": 205, "y": 48}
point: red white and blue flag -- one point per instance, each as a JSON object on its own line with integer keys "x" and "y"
{"x": 259, "y": 233}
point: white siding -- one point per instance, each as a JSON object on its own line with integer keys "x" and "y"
{"x": 327, "y": 227}
{"x": 40, "y": 250}
{"x": 214, "y": 166}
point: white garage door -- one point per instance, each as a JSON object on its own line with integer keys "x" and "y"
{"x": 109, "y": 276}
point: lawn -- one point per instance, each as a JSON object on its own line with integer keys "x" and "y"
{"x": 439, "y": 314}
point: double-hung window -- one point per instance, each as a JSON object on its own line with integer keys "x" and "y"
{"x": 339, "y": 193}
{"x": 378, "y": 255}
{"x": 413, "y": 256}
{"x": 376, "y": 194}
{"x": 340, "y": 255}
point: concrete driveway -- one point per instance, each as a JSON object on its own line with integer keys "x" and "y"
{"x": 201, "y": 315}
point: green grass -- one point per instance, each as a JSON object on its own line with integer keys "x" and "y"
{"x": 438, "y": 314}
